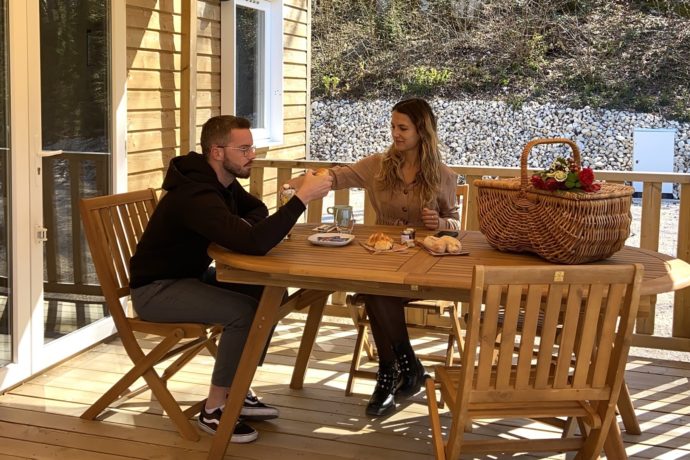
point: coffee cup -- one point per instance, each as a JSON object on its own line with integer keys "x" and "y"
{"x": 343, "y": 217}
{"x": 332, "y": 210}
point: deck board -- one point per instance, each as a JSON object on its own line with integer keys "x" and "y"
{"x": 40, "y": 418}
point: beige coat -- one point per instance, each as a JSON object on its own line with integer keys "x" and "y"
{"x": 399, "y": 207}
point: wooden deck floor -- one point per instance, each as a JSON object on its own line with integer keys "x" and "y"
{"x": 40, "y": 419}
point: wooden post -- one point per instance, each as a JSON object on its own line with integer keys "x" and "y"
{"x": 651, "y": 215}
{"x": 256, "y": 182}
{"x": 188, "y": 78}
{"x": 649, "y": 239}
{"x": 681, "y": 304}
{"x": 472, "y": 211}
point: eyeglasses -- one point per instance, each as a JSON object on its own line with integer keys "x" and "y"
{"x": 246, "y": 151}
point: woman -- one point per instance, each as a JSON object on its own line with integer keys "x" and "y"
{"x": 409, "y": 186}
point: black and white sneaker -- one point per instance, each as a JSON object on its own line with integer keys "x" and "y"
{"x": 208, "y": 421}
{"x": 253, "y": 409}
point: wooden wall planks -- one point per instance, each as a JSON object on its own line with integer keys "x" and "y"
{"x": 154, "y": 84}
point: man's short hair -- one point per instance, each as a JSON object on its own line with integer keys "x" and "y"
{"x": 217, "y": 130}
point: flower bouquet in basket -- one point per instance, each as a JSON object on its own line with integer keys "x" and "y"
{"x": 561, "y": 214}
{"x": 565, "y": 174}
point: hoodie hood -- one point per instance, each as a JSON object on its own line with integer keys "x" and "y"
{"x": 191, "y": 168}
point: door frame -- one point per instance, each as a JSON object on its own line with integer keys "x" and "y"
{"x": 30, "y": 354}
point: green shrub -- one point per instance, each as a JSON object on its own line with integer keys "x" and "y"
{"x": 330, "y": 84}
{"x": 425, "y": 79}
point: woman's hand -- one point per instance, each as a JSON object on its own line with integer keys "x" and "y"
{"x": 296, "y": 182}
{"x": 313, "y": 187}
{"x": 430, "y": 218}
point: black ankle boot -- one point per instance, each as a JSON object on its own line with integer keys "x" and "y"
{"x": 412, "y": 372}
{"x": 382, "y": 400}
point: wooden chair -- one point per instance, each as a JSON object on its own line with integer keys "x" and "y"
{"x": 438, "y": 317}
{"x": 113, "y": 225}
{"x": 576, "y": 375}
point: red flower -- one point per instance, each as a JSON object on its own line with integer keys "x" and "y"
{"x": 552, "y": 184}
{"x": 595, "y": 187}
{"x": 538, "y": 182}
{"x": 586, "y": 177}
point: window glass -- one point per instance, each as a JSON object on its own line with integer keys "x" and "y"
{"x": 74, "y": 76}
{"x": 250, "y": 72}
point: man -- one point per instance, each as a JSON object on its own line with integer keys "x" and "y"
{"x": 170, "y": 276}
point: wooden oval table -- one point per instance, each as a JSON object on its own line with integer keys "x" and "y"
{"x": 320, "y": 270}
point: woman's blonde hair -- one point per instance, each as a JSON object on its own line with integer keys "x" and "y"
{"x": 429, "y": 177}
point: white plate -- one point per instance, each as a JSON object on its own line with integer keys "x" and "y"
{"x": 330, "y": 239}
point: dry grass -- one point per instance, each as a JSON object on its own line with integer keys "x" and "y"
{"x": 631, "y": 55}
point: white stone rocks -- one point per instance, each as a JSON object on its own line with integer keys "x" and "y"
{"x": 490, "y": 132}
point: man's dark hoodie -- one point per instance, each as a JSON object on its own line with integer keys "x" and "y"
{"x": 196, "y": 211}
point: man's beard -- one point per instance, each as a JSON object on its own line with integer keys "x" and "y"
{"x": 242, "y": 173}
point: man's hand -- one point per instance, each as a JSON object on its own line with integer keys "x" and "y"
{"x": 314, "y": 187}
{"x": 430, "y": 218}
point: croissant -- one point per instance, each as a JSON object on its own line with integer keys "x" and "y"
{"x": 321, "y": 172}
{"x": 453, "y": 245}
{"x": 380, "y": 241}
{"x": 435, "y": 244}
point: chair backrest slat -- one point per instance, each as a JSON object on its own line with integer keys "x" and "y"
{"x": 606, "y": 333}
{"x": 492, "y": 304}
{"x": 532, "y": 310}
{"x": 587, "y": 332}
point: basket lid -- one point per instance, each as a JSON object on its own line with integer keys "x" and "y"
{"x": 608, "y": 190}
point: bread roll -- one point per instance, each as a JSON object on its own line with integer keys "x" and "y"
{"x": 435, "y": 244}
{"x": 453, "y": 245}
{"x": 380, "y": 241}
{"x": 321, "y": 172}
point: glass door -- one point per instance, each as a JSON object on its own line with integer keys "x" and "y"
{"x": 75, "y": 155}
{"x": 56, "y": 123}
{"x": 5, "y": 298}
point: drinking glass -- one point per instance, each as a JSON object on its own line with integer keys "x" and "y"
{"x": 344, "y": 220}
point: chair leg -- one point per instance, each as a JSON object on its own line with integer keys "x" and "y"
{"x": 358, "y": 316}
{"x": 141, "y": 364}
{"x": 182, "y": 360}
{"x": 212, "y": 343}
{"x": 356, "y": 357}
{"x": 170, "y": 406}
{"x": 369, "y": 348}
{"x": 434, "y": 420}
{"x": 613, "y": 443}
{"x": 143, "y": 367}
{"x": 627, "y": 411}
{"x": 457, "y": 328}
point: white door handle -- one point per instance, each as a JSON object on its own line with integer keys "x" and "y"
{"x": 49, "y": 153}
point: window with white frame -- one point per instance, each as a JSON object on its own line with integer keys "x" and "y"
{"x": 252, "y": 65}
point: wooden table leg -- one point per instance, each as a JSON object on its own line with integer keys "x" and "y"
{"x": 264, "y": 319}
{"x": 308, "y": 338}
{"x": 627, "y": 411}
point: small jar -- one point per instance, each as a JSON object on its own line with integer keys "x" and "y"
{"x": 407, "y": 237}
{"x": 286, "y": 193}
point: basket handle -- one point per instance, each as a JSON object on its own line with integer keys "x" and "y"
{"x": 524, "y": 182}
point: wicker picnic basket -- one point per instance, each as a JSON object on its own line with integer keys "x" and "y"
{"x": 562, "y": 226}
